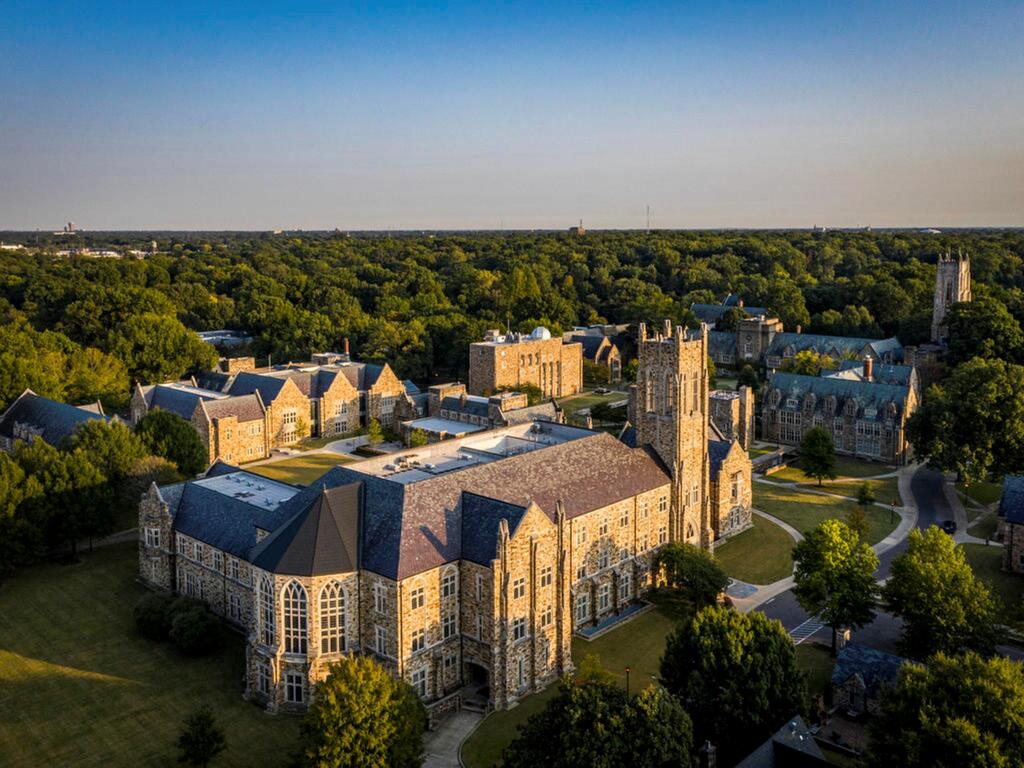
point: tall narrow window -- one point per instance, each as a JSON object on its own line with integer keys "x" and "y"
{"x": 267, "y": 611}
{"x": 448, "y": 583}
{"x": 332, "y": 618}
{"x": 295, "y": 634}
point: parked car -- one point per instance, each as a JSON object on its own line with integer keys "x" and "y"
{"x": 949, "y": 526}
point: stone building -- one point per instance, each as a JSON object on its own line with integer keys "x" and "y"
{"x": 599, "y": 350}
{"x": 732, "y": 413}
{"x": 860, "y": 676}
{"x": 1011, "y": 523}
{"x": 866, "y": 418}
{"x": 512, "y": 360}
{"x": 31, "y": 416}
{"x": 952, "y": 286}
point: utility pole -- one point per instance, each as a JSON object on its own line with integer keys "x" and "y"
{"x": 648, "y": 219}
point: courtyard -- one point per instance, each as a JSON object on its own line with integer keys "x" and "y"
{"x": 300, "y": 470}
{"x": 804, "y": 510}
{"x": 79, "y": 687}
{"x": 762, "y": 554}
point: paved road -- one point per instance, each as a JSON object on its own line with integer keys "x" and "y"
{"x": 932, "y": 506}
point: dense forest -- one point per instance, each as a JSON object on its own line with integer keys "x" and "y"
{"x": 82, "y": 328}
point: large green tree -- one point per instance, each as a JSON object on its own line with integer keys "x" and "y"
{"x": 596, "y": 724}
{"x": 983, "y": 327}
{"x": 834, "y": 577}
{"x": 818, "y": 455}
{"x": 944, "y": 606}
{"x": 158, "y": 348}
{"x": 973, "y": 422}
{"x": 170, "y": 436}
{"x": 201, "y": 739}
{"x": 362, "y": 717}
{"x": 686, "y": 566}
{"x": 729, "y": 667}
{"x": 954, "y": 711}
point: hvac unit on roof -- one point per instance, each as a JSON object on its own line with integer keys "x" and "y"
{"x": 430, "y": 466}
{"x": 390, "y": 467}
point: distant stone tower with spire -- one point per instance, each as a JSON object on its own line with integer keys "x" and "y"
{"x": 669, "y": 409}
{"x": 952, "y": 285}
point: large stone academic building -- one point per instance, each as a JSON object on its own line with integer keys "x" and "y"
{"x": 508, "y": 361}
{"x": 464, "y": 565}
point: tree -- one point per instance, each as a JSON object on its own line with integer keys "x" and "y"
{"x": 158, "y": 348}
{"x": 807, "y": 363}
{"x": 729, "y": 667}
{"x": 630, "y": 369}
{"x": 943, "y": 605}
{"x": 201, "y": 739}
{"x": 374, "y": 433}
{"x": 595, "y": 374}
{"x": 834, "y": 577}
{"x": 418, "y": 438}
{"x": 858, "y": 522}
{"x": 142, "y": 474}
{"x": 595, "y": 723}
{"x": 818, "y": 455}
{"x": 152, "y": 614}
{"x": 194, "y": 630}
{"x": 693, "y": 568}
{"x": 534, "y": 394}
{"x": 865, "y": 494}
{"x": 165, "y": 434}
{"x": 20, "y": 540}
{"x": 956, "y": 711}
{"x": 111, "y": 446}
{"x": 973, "y": 423}
{"x": 983, "y": 327}
{"x": 748, "y": 377}
{"x": 730, "y": 321}
{"x": 362, "y": 717}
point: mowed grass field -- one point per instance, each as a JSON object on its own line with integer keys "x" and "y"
{"x": 987, "y": 563}
{"x": 850, "y": 475}
{"x": 78, "y": 686}
{"x": 805, "y": 510}
{"x": 301, "y": 470}
{"x": 760, "y": 555}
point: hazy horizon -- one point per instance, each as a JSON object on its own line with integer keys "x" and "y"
{"x": 125, "y": 117}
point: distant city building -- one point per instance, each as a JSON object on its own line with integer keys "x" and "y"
{"x": 509, "y": 361}
{"x": 31, "y": 416}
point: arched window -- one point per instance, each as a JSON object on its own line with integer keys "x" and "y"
{"x": 332, "y": 618}
{"x": 266, "y": 611}
{"x": 295, "y": 634}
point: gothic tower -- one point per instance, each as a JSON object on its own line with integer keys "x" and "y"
{"x": 669, "y": 410}
{"x": 952, "y": 285}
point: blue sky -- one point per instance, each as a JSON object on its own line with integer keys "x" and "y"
{"x": 444, "y": 115}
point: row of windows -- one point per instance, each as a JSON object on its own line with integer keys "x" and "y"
{"x": 294, "y": 684}
{"x": 604, "y": 598}
{"x": 333, "y": 615}
{"x": 196, "y": 551}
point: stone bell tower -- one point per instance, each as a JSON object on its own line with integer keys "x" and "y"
{"x": 952, "y": 285}
{"x": 669, "y": 410}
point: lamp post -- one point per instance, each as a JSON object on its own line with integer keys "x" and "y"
{"x": 627, "y": 682}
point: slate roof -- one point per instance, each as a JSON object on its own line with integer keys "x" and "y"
{"x": 322, "y": 538}
{"x": 718, "y": 450}
{"x": 547, "y": 411}
{"x": 53, "y": 421}
{"x": 591, "y": 345}
{"x": 709, "y": 313}
{"x": 842, "y": 345}
{"x": 866, "y": 394}
{"x": 481, "y": 517}
{"x": 246, "y": 383}
{"x": 410, "y": 387}
{"x": 792, "y": 746}
{"x": 180, "y": 402}
{"x": 721, "y": 342}
{"x": 876, "y": 668}
{"x": 217, "y": 381}
{"x": 220, "y": 467}
{"x": 243, "y": 407}
{"x": 473, "y": 406}
{"x": 225, "y": 522}
{"x": 1011, "y": 506}
{"x": 882, "y": 373}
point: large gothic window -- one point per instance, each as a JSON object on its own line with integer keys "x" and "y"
{"x": 332, "y": 618}
{"x": 295, "y": 634}
{"x": 266, "y": 611}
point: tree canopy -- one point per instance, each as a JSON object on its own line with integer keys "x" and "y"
{"x": 687, "y": 566}
{"x": 818, "y": 455}
{"x": 170, "y": 436}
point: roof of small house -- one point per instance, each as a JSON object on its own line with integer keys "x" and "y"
{"x": 721, "y": 342}
{"x": 179, "y": 398}
{"x": 791, "y": 746}
{"x": 52, "y": 420}
{"x": 1011, "y": 506}
{"x": 876, "y": 668}
{"x": 709, "y": 313}
{"x": 247, "y": 382}
{"x": 474, "y": 405}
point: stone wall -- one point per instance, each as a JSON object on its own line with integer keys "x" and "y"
{"x": 289, "y": 399}
{"x": 339, "y": 408}
{"x": 233, "y": 441}
{"x": 552, "y": 366}
{"x": 156, "y": 562}
{"x": 1013, "y": 546}
{"x": 382, "y": 397}
{"x": 731, "y": 513}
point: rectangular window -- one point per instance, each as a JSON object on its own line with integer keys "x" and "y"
{"x": 625, "y": 584}
{"x": 545, "y": 617}
{"x": 183, "y": 548}
{"x": 418, "y": 680}
{"x": 518, "y": 588}
{"x": 263, "y": 678}
{"x": 419, "y": 640}
{"x": 152, "y": 537}
{"x": 416, "y": 598}
{"x": 663, "y": 504}
{"x": 604, "y": 528}
{"x": 735, "y": 493}
{"x": 479, "y": 627}
{"x": 545, "y": 576}
{"x": 522, "y": 673}
{"x": 192, "y": 585}
{"x": 218, "y": 561}
{"x": 379, "y": 597}
{"x": 479, "y": 587}
{"x": 293, "y": 687}
{"x": 448, "y": 626}
{"x": 233, "y": 568}
{"x": 582, "y": 607}
{"x": 448, "y": 583}
{"x": 581, "y": 572}
{"x": 644, "y": 510}
{"x": 602, "y": 559}
{"x": 381, "y": 639}
{"x": 662, "y": 535}
{"x": 604, "y": 597}
{"x": 199, "y": 552}
{"x": 234, "y": 607}
{"x": 450, "y": 662}
{"x": 581, "y": 536}
{"x": 624, "y": 518}
{"x": 518, "y": 628}
{"x": 642, "y": 543}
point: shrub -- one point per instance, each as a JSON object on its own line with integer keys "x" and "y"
{"x": 153, "y": 616}
{"x": 195, "y": 631}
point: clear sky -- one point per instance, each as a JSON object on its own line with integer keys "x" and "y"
{"x": 260, "y": 115}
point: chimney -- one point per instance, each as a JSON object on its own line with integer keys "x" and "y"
{"x": 799, "y": 329}
{"x": 869, "y": 368}
{"x": 668, "y": 328}
{"x": 642, "y": 332}
{"x": 344, "y": 346}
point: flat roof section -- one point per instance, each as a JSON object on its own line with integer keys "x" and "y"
{"x": 252, "y": 489}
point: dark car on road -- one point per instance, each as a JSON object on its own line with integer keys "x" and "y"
{"x": 949, "y": 526}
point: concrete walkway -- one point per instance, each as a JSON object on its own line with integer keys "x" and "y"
{"x": 441, "y": 746}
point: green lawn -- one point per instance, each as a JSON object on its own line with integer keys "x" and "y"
{"x": 572, "y": 405}
{"x": 805, "y": 510}
{"x": 755, "y": 451}
{"x": 637, "y": 644}
{"x": 78, "y": 687}
{"x": 983, "y": 493}
{"x": 987, "y": 563}
{"x": 759, "y": 555}
{"x": 846, "y": 468}
{"x": 301, "y": 470}
{"x": 816, "y": 660}
{"x": 886, "y": 490}
{"x": 985, "y": 528}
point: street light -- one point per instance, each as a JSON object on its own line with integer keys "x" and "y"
{"x": 627, "y": 682}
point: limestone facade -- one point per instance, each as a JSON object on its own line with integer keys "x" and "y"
{"x": 514, "y": 360}
{"x": 731, "y": 493}
{"x": 732, "y": 413}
